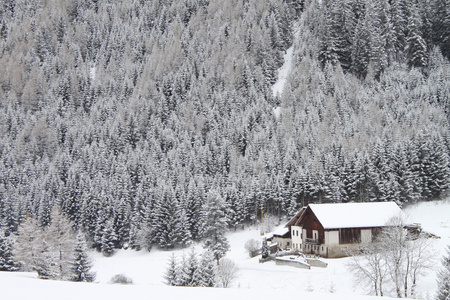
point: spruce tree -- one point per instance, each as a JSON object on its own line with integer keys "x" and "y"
{"x": 172, "y": 272}
{"x": 444, "y": 278}
{"x": 82, "y": 264}
{"x": 206, "y": 272}
{"x": 169, "y": 222}
{"x": 265, "y": 249}
{"x": 108, "y": 239}
{"x": 190, "y": 270}
{"x": 6, "y": 253}
{"x": 416, "y": 46}
{"x": 215, "y": 226}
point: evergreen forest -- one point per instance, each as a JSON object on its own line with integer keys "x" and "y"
{"x": 138, "y": 117}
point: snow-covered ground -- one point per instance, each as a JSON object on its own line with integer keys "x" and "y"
{"x": 283, "y": 72}
{"x": 255, "y": 280}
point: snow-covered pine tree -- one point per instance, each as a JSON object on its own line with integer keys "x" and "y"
{"x": 172, "y": 272}
{"x": 265, "y": 249}
{"x": 190, "y": 269}
{"x": 108, "y": 239}
{"x": 6, "y": 253}
{"x": 193, "y": 209}
{"x": 168, "y": 232}
{"x": 443, "y": 292}
{"x": 206, "y": 272}
{"x": 416, "y": 46}
{"x": 182, "y": 232}
{"x": 81, "y": 265}
{"x": 215, "y": 226}
{"x": 122, "y": 224}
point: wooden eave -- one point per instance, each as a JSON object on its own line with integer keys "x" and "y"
{"x": 294, "y": 220}
{"x": 301, "y": 220}
{"x": 337, "y": 228}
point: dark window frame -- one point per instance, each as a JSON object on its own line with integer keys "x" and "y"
{"x": 349, "y": 236}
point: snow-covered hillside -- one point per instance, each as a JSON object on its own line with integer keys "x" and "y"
{"x": 255, "y": 281}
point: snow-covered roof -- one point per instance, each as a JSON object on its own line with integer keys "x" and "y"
{"x": 281, "y": 231}
{"x": 354, "y": 215}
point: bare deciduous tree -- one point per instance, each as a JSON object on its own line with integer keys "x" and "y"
{"x": 394, "y": 261}
{"x": 226, "y": 272}
{"x": 48, "y": 250}
{"x": 369, "y": 268}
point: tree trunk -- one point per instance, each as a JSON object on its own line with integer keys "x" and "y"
{"x": 381, "y": 285}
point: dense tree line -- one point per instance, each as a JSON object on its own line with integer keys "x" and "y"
{"x": 133, "y": 116}
{"x": 204, "y": 272}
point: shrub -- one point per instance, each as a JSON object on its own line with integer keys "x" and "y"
{"x": 253, "y": 247}
{"x": 121, "y": 279}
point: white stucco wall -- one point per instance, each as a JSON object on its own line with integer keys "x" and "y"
{"x": 332, "y": 237}
{"x": 296, "y": 239}
{"x": 366, "y": 236}
{"x": 315, "y": 234}
{"x": 282, "y": 243}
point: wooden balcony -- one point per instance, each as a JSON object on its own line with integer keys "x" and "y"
{"x": 313, "y": 241}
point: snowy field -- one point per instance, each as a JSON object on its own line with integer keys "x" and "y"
{"x": 255, "y": 280}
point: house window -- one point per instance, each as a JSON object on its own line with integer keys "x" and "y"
{"x": 349, "y": 235}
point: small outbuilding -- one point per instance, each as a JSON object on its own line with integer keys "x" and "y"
{"x": 282, "y": 236}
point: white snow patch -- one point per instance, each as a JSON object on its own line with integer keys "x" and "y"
{"x": 92, "y": 72}
{"x": 283, "y": 73}
{"x": 277, "y": 112}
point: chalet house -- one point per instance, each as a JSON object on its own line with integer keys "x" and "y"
{"x": 331, "y": 230}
